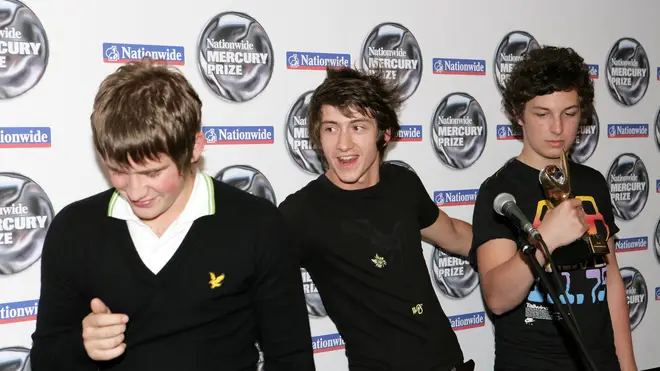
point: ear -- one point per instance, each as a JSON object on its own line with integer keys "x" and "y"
{"x": 198, "y": 148}
{"x": 521, "y": 123}
{"x": 387, "y": 136}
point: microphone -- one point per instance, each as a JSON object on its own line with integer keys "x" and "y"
{"x": 505, "y": 205}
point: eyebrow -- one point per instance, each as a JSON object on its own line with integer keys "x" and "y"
{"x": 548, "y": 109}
{"x": 350, "y": 122}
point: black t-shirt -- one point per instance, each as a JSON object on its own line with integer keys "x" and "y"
{"x": 527, "y": 337}
{"x": 363, "y": 251}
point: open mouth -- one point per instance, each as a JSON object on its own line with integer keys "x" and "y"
{"x": 347, "y": 160}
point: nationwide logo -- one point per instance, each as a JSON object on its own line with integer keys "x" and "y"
{"x": 216, "y": 135}
{"x": 409, "y": 133}
{"x": 452, "y": 66}
{"x": 508, "y": 132}
{"x": 631, "y": 244}
{"x": 125, "y": 53}
{"x": 657, "y": 293}
{"x": 25, "y": 137}
{"x": 628, "y": 131}
{"x": 316, "y": 61}
{"x": 456, "y": 197}
{"x": 20, "y": 311}
{"x": 468, "y": 320}
{"x": 327, "y": 343}
{"x": 658, "y": 74}
{"x": 657, "y": 186}
{"x": 594, "y": 71}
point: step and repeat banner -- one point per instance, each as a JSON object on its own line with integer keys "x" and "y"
{"x": 255, "y": 65}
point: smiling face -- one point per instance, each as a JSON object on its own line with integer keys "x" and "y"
{"x": 350, "y": 148}
{"x": 550, "y": 124}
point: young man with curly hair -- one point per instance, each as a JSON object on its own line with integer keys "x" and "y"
{"x": 361, "y": 225}
{"x": 168, "y": 269}
{"x": 549, "y": 94}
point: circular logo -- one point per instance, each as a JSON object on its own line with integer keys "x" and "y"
{"x": 400, "y": 163}
{"x": 657, "y": 128}
{"x": 15, "y": 359}
{"x": 636, "y": 293}
{"x": 315, "y": 306}
{"x": 657, "y": 240}
{"x": 24, "y": 49}
{"x": 629, "y": 186}
{"x": 393, "y": 49}
{"x": 512, "y": 49}
{"x": 453, "y": 275}
{"x": 248, "y": 179}
{"x": 297, "y": 136}
{"x": 627, "y": 71}
{"x": 586, "y": 140}
{"x": 25, "y": 215}
{"x": 458, "y": 130}
{"x": 235, "y": 56}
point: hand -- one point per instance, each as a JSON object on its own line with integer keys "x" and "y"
{"x": 563, "y": 224}
{"x": 103, "y": 332}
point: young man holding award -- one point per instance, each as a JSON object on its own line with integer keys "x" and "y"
{"x": 549, "y": 95}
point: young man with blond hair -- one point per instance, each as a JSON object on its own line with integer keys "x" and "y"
{"x": 169, "y": 269}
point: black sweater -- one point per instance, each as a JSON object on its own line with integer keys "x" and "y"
{"x": 176, "y": 320}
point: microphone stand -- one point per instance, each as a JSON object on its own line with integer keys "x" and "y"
{"x": 530, "y": 252}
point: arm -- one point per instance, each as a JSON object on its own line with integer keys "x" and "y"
{"x": 57, "y": 340}
{"x": 454, "y": 235}
{"x": 285, "y": 336}
{"x": 618, "y": 305}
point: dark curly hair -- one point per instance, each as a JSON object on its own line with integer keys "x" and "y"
{"x": 545, "y": 71}
{"x": 349, "y": 90}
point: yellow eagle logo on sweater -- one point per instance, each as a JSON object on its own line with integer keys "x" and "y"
{"x": 216, "y": 281}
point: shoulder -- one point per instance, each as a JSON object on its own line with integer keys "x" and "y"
{"x": 496, "y": 182}
{"x": 296, "y": 202}
{"x": 398, "y": 176}
{"x": 229, "y": 199}
{"x": 586, "y": 173}
{"x": 85, "y": 209}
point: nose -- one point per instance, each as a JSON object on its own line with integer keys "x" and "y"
{"x": 135, "y": 188}
{"x": 557, "y": 126}
{"x": 345, "y": 141}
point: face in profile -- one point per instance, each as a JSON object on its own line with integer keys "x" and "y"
{"x": 550, "y": 123}
{"x": 349, "y": 146}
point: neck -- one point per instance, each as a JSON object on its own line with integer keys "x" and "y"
{"x": 538, "y": 162}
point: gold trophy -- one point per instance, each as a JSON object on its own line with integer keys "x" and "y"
{"x": 556, "y": 182}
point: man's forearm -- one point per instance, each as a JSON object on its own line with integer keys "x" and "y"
{"x": 464, "y": 236}
{"x": 507, "y": 285}
{"x": 617, "y": 302}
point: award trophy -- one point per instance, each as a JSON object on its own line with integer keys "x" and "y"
{"x": 556, "y": 182}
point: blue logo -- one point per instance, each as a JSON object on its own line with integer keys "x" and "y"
{"x": 25, "y": 137}
{"x": 20, "y": 311}
{"x": 658, "y": 73}
{"x": 657, "y": 186}
{"x": 327, "y": 343}
{"x": 594, "y": 71}
{"x": 456, "y": 197}
{"x": 409, "y": 133}
{"x": 468, "y": 320}
{"x": 125, "y": 53}
{"x": 631, "y": 244}
{"x": 657, "y": 293}
{"x": 215, "y": 135}
{"x": 316, "y": 61}
{"x": 453, "y": 66}
{"x": 628, "y": 131}
{"x": 508, "y": 132}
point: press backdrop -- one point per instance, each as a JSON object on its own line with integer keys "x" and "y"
{"x": 254, "y": 64}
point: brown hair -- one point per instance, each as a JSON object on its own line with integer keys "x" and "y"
{"x": 351, "y": 90}
{"x": 143, "y": 110}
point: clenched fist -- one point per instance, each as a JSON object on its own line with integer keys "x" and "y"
{"x": 564, "y": 224}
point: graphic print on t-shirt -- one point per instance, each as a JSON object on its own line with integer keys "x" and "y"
{"x": 583, "y": 286}
{"x": 386, "y": 246}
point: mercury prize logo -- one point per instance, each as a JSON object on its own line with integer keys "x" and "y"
{"x": 25, "y": 215}
{"x": 393, "y": 49}
{"x": 627, "y": 70}
{"x": 248, "y": 179}
{"x": 512, "y": 49}
{"x": 235, "y": 56}
{"x": 628, "y": 181}
{"x": 24, "y": 49}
